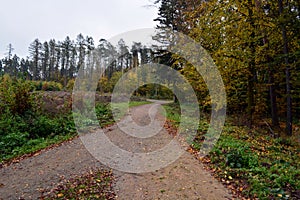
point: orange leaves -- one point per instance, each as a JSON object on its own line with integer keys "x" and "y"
{"x": 60, "y": 195}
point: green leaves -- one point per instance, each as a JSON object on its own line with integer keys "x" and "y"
{"x": 241, "y": 158}
{"x": 15, "y": 96}
{"x": 263, "y": 162}
{"x": 251, "y": 164}
{"x": 104, "y": 114}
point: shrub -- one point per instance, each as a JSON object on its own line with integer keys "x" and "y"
{"x": 16, "y": 131}
{"x": 21, "y": 120}
{"x": 15, "y": 96}
{"x": 104, "y": 114}
{"x": 241, "y": 158}
{"x": 44, "y": 126}
{"x": 46, "y": 85}
{"x": 70, "y": 85}
{"x": 12, "y": 134}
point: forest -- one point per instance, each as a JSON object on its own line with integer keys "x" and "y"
{"x": 255, "y": 45}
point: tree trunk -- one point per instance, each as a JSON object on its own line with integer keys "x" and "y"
{"x": 251, "y": 67}
{"x": 271, "y": 82}
{"x": 287, "y": 75}
{"x": 274, "y": 113}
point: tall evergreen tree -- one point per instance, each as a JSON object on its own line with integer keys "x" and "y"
{"x": 1, "y": 68}
{"x": 90, "y": 45}
{"x": 45, "y": 58}
{"x": 81, "y": 50}
{"x": 35, "y": 55}
{"x": 15, "y": 66}
{"x": 122, "y": 53}
{"x": 108, "y": 54}
{"x": 10, "y": 50}
{"x": 73, "y": 65}
{"x": 52, "y": 59}
{"x": 66, "y": 48}
{"x": 24, "y": 69}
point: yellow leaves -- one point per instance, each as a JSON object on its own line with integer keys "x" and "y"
{"x": 60, "y": 195}
{"x": 80, "y": 191}
{"x": 190, "y": 150}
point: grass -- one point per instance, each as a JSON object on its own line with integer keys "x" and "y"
{"x": 262, "y": 166}
{"x": 34, "y": 145}
{"x": 28, "y": 134}
{"x": 138, "y": 103}
{"x": 44, "y": 131}
{"x": 251, "y": 163}
{"x": 120, "y": 109}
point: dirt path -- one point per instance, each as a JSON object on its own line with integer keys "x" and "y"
{"x": 183, "y": 179}
{"x": 42, "y": 172}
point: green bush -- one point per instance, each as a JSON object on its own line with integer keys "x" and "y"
{"x": 241, "y": 158}
{"x": 23, "y": 128}
{"x": 41, "y": 126}
{"x": 70, "y": 85}
{"x": 104, "y": 114}
{"x": 11, "y": 134}
{"x": 17, "y": 132}
{"x": 15, "y": 95}
{"x": 46, "y": 85}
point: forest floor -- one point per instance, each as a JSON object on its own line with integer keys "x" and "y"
{"x": 185, "y": 178}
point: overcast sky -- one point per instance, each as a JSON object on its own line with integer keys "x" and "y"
{"x": 22, "y": 21}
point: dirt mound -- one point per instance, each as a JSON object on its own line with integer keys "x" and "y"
{"x": 57, "y": 102}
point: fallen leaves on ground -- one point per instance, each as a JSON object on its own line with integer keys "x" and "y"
{"x": 95, "y": 184}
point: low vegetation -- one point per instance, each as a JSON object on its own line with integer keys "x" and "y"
{"x": 254, "y": 162}
{"x": 250, "y": 162}
{"x": 25, "y": 128}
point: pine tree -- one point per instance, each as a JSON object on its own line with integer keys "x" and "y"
{"x": 52, "y": 59}
{"x": 35, "y": 54}
{"x": 14, "y": 66}
{"x": 81, "y": 49}
{"x": 122, "y": 53}
{"x": 66, "y": 48}
{"x": 45, "y": 61}
{"x": 1, "y": 68}
{"x": 24, "y": 69}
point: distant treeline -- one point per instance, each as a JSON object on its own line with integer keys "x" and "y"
{"x": 60, "y": 60}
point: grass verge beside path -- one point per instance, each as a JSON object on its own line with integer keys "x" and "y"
{"x": 250, "y": 163}
{"x": 24, "y": 136}
{"x": 138, "y": 103}
{"x": 95, "y": 184}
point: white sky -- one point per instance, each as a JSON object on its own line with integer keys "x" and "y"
{"x": 22, "y": 21}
